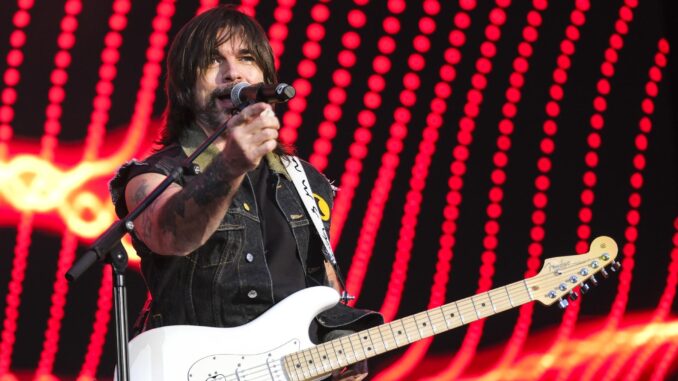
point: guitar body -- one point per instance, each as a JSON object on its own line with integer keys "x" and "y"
{"x": 249, "y": 352}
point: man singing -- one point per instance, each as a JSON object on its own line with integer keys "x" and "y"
{"x": 220, "y": 247}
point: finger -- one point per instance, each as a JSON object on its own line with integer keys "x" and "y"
{"x": 248, "y": 114}
{"x": 267, "y": 119}
{"x": 268, "y": 133}
{"x": 267, "y": 113}
{"x": 264, "y": 148}
{"x": 254, "y": 110}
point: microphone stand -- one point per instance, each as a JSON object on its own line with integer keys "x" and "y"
{"x": 108, "y": 248}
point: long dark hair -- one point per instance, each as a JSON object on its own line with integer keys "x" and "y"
{"x": 192, "y": 51}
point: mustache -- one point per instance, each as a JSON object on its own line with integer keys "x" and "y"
{"x": 221, "y": 93}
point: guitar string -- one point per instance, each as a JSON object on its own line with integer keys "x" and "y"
{"x": 409, "y": 325}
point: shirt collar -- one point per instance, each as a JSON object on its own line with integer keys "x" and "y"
{"x": 193, "y": 137}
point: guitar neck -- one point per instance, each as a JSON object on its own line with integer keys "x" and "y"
{"x": 336, "y": 354}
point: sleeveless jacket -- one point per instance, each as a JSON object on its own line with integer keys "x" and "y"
{"x": 226, "y": 282}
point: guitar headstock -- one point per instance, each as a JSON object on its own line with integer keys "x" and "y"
{"x": 561, "y": 275}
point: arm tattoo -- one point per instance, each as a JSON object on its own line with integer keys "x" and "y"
{"x": 139, "y": 195}
{"x": 204, "y": 191}
{"x": 214, "y": 184}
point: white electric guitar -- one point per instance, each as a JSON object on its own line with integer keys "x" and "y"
{"x": 276, "y": 346}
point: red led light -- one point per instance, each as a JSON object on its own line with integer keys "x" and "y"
{"x": 462, "y": 20}
{"x": 307, "y": 68}
{"x": 631, "y": 235}
{"x": 13, "y": 298}
{"x": 426, "y": 26}
{"x": 357, "y": 18}
{"x": 12, "y": 76}
{"x": 492, "y": 32}
{"x": 316, "y": 32}
{"x": 381, "y": 64}
{"x": 50, "y": 345}
{"x": 320, "y": 13}
{"x": 391, "y": 25}
{"x": 497, "y": 16}
{"x": 422, "y": 44}
{"x": 100, "y": 327}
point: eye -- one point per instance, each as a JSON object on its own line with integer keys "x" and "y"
{"x": 247, "y": 58}
{"x": 216, "y": 59}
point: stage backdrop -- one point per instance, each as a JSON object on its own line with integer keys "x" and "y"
{"x": 470, "y": 141}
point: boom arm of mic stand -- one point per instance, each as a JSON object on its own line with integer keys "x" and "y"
{"x": 108, "y": 247}
{"x": 102, "y": 247}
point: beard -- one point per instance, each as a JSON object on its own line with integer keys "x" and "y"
{"x": 212, "y": 115}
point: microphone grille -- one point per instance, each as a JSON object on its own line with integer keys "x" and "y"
{"x": 235, "y": 93}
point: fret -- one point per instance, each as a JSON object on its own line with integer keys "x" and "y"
{"x": 289, "y": 364}
{"x": 465, "y": 306}
{"x": 520, "y": 293}
{"x": 308, "y": 363}
{"x": 356, "y": 344}
{"x": 299, "y": 365}
{"x": 481, "y": 303}
{"x": 389, "y": 331}
{"x": 399, "y": 332}
{"x": 377, "y": 343}
{"x": 473, "y": 303}
{"x": 348, "y": 349}
{"x": 366, "y": 343}
{"x": 489, "y": 296}
{"x": 431, "y": 320}
{"x": 408, "y": 322}
{"x": 380, "y": 339}
{"x": 339, "y": 353}
{"x": 441, "y": 309}
{"x": 509, "y": 296}
{"x": 325, "y": 356}
{"x": 317, "y": 362}
{"x": 499, "y": 301}
{"x": 423, "y": 324}
{"x": 461, "y": 317}
{"x": 529, "y": 294}
{"x": 452, "y": 311}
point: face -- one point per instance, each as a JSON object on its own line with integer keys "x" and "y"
{"x": 233, "y": 63}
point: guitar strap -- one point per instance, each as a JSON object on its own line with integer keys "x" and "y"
{"x": 296, "y": 172}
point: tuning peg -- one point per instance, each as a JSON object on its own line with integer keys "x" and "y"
{"x": 573, "y": 296}
{"x": 616, "y": 265}
{"x": 584, "y": 288}
{"x": 604, "y": 273}
{"x": 593, "y": 280}
{"x": 563, "y": 303}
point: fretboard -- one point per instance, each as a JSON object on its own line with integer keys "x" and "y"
{"x": 339, "y": 353}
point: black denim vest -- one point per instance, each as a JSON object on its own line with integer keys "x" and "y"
{"x": 226, "y": 282}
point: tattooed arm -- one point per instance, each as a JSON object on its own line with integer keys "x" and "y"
{"x": 181, "y": 219}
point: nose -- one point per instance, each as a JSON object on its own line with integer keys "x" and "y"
{"x": 230, "y": 72}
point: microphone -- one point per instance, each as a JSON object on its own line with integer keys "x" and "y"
{"x": 243, "y": 93}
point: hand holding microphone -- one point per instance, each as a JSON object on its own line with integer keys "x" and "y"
{"x": 243, "y": 93}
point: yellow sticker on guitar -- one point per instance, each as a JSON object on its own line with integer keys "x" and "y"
{"x": 323, "y": 206}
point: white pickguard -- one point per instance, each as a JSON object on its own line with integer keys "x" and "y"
{"x": 249, "y": 352}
